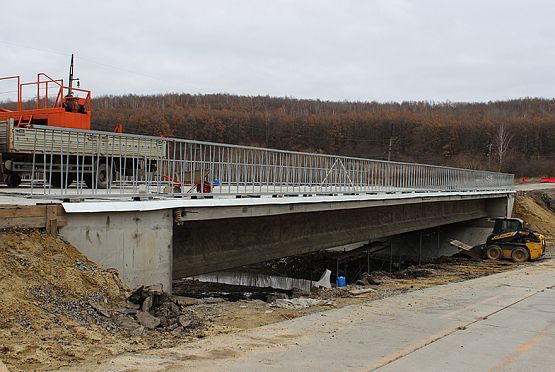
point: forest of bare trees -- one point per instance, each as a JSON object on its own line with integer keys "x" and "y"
{"x": 515, "y": 136}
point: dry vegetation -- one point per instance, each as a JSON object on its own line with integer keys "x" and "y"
{"x": 538, "y": 209}
{"x": 519, "y": 134}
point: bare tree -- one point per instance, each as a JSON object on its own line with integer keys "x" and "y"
{"x": 501, "y": 144}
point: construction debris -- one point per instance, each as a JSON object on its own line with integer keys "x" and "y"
{"x": 185, "y": 301}
{"x": 299, "y": 303}
{"x": 324, "y": 281}
{"x": 160, "y": 310}
{"x": 357, "y": 292}
{"x": 366, "y": 279}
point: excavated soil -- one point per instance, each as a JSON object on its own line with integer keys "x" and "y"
{"x": 45, "y": 319}
{"x": 545, "y": 198}
{"x": 57, "y": 308}
{"x": 537, "y": 208}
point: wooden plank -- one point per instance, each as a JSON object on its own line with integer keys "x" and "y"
{"x": 17, "y": 211}
{"x": 460, "y": 245}
{"x": 25, "y": 222}
{"x": 52, "y": 220}
{"x": 46, "y": 216}
{"x": 60, "y": 215}
{"x": 62, "y": 221}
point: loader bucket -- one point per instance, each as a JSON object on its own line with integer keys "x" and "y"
{"x": 472, "y": 251}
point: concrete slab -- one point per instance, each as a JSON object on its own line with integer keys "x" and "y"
{"x": 518, "y": 338}
{"x": 207, "y": 209}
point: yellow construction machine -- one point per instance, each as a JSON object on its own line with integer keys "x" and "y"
{"x": 510, "y": 239}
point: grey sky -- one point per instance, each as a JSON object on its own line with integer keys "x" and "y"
{"x": 384, "y": 50}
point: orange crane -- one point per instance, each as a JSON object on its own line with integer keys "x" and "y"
{"x": 56, "y": 104}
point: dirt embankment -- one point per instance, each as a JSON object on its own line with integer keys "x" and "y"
{"x": 58, "y": 308}
{"x": 537, "y": 208}
{"x": 45, "y": 287}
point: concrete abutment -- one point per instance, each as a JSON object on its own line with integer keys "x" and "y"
{"x": 137, "y": 244}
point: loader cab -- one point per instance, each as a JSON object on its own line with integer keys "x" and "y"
{"x": 507, "y": 225}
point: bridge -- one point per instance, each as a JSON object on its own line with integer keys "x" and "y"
{"x": 196, "y": 207}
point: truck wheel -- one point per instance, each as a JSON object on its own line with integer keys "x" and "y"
{"x": 520, "y": 255}
{"x": 60, "y": 180}
{"x": 493, "y": 252}
{"x": 12, "y": 179}
{"x": 104, "y": 177}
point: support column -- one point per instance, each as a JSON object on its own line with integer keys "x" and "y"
{"x": 137, "y": 244}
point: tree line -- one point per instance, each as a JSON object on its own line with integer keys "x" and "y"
{"x": 516, "y": 136}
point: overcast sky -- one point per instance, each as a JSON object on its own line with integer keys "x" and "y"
{"x": 382, "y": 50}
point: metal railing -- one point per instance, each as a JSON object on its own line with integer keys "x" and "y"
{"x": 65, "y": 162}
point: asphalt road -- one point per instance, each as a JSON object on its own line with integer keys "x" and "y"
{"x": 502, "y": 322}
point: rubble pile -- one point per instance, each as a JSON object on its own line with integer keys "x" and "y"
{"x": 149, "y": 308}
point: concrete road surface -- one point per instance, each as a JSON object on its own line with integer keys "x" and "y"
{"x": 534, "y": 186}
{"x": 502, "y": 322}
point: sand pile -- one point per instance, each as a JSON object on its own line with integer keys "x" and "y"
{"x": 48, "y": 295}
{"x": 58, "y": 308}
{"x": 534, "y": 208}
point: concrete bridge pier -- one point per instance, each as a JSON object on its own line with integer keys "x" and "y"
{"x": 137, "y": 244}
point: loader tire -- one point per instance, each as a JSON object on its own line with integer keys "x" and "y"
{"x": 520, "y": 255}
{"x": 493, "y": 252}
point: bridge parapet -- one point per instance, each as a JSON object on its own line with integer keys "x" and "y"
{"x": 69, "y": 162}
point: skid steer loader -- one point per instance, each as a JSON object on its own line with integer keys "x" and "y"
{"x": 510, "y": 239}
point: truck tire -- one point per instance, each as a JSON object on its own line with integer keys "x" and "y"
{"x": 12, "y": 179}
{"x": 494, "y": 252}
{"x": 60, "y": 180}
{"x": 520, "y": 255}
{"x": 104, "y": 177}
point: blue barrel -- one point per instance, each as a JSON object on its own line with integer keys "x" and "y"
{"x": 341, "y": 281}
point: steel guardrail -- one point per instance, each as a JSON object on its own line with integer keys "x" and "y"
{"x": 68, "y": 162}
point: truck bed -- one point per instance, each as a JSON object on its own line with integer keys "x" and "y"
{"x": 39, "y": 139}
